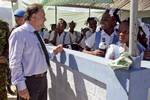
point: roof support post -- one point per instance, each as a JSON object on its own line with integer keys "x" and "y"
{"x": 133, "y": 27}
{"x": 133, "y": 35}
{"x": 55, "y": 14}
{"x": 89, "y": 11}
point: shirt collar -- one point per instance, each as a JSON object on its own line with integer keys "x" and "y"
{"x": 28, "y": 27}
{"x": 104, "y": 33}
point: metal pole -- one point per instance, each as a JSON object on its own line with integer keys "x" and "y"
{"x": 133, "y": 27}
{"x": 133, "y": 36}
{"x": 55, "y": 14}
{"x": 12, "y": 3}
{"x": 89, "y": 11}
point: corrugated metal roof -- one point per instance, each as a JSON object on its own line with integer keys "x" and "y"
{"x": 122, "y": 4}
{"x": 63, "y": 2}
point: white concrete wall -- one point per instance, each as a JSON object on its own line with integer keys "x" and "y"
{"x": 79, "y": 76}
{"x": 68, "y": 84}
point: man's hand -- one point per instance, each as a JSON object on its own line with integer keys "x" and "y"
{"x": 58, "y": 49}
{"x": 24, "y": 94}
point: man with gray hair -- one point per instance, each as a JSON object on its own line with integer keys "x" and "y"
{"x": 28, "y": 56}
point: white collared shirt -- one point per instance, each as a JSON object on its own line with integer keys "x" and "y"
{"x": 87, "y": 35}
{"x": 26, "y": 57}
{"x": 63, "y": 38}
{"x": 115, "y": 50}
{"x": 75, "y": 36}
{"x": 108, "y": 39}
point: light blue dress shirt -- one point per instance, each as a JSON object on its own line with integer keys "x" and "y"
{"x": 26, "y": 57}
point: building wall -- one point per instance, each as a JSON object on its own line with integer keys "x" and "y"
{"x": 69, "y": 84}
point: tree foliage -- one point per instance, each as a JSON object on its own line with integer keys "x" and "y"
{"x": 4, "y": 31}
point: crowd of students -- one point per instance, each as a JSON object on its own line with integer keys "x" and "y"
{"x": 109, "y": 38}
{"x": 111, "y": 30}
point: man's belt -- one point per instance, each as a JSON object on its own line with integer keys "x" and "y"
{"x": 37, "y": 75}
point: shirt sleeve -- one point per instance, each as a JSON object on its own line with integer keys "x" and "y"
{"x": 46, "y": 35}
{"x": 52, "y": 36}
{"x": 88, "y": 34}
{"x": 90, "y": 41}
{"x": 67, "y": 38}
{"x": 110, "y": 52}
{"x": 51, "y": 54}
{"x": 16, "y": 47}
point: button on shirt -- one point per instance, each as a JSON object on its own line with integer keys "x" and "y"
{"x": 26, "y": 57}
{"x": 108, "y": 39}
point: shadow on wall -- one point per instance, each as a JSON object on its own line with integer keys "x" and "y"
{"x": 67, "y": 83}
{"x": 123, "y": 76}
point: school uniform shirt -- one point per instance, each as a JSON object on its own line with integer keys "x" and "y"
{"x": 26, "y": 57}
{"x": 46, "y": 35}
{"x": 75, "y": 36}
{"x": 51, "y": 36}
{"x": 90, "y": 42}
{"x": 87, "y": 35}
{"x": 63, "y": 38}
{"x": 114, "y": 51}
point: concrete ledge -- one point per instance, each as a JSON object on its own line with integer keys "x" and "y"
{"x": 91, "y": 66}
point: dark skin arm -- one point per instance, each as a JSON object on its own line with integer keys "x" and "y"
{"x": 96, "y": 52}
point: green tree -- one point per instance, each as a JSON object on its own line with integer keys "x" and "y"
{"x": 4, "y": 31}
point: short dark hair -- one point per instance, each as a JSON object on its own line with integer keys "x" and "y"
{"x": 32, "y": 9}
{"x": 90, "y": 19}
{"x": 53, "y": 25}
{"x": 4, "y": 29}
{"x": 64, "y": 22}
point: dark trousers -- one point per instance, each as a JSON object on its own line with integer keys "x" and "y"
{"x": 37, "y": 88}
